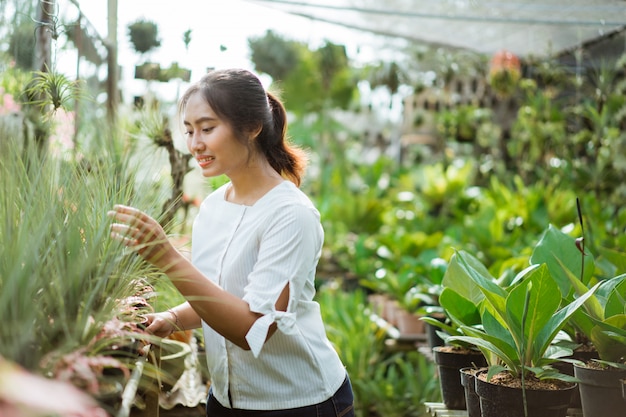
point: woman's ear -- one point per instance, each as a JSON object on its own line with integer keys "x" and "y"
{"x": 253, "y": 133}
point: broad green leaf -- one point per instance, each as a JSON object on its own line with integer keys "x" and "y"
{"x": 547, "y": 334}
{"x": 495, "y": 294}
{"x": 617, "y": 258}
{"x": 457, "y": 278}
{"x": 493, "y": 370}
{"x": 580, "y": 322}
{"x": 555, "y": 245}
{"x": 544, "y": 300}
{"x": 610, "y": 338}
{"x": 615, "y": 302}
{"x": 437, "y": 323}
{"x": 460, "y": 307}
{"x": 593, "y": 306}
{"x": 494, "y": 330}
{"x": 484, "y": 343}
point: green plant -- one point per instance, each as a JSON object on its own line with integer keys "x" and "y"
{"x": 53, "y": 88}
{"x": 519, "y": 323}
{"x": 56, "y": 254}
{"x": 358, "y": 340}
{"x": 389, "y": 385}
{"x": 457, "y": 309}
{"x": 144, "y": 35}
{"x": 602, "y": 320}
{"x": 401, "y": 384}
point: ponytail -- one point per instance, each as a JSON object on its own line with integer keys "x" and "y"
{"x": 287, "y": 159}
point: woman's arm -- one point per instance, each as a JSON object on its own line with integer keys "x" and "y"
{"x": 227, "y": 314}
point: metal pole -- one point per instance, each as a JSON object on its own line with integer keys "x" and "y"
{"x": 112, "y": 79}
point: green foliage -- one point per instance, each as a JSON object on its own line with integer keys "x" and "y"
{"x": 462, "y": 122}
{"x": 358, "y": 341}
{"x": 383, "y": 384}
{"x": 310, "y": 80}
{"x": 52, "y": 88}
{"x": 144, "y": 35}
{"x": 22, "y": 45}
{"x": 401, "y": 384}
{"x": 385, "y": 74}
{"x": 56, "y": 253}
{"x": 602, "y": 320}
{"x": 519, "y": 323}
{"x": 274, "y": 55}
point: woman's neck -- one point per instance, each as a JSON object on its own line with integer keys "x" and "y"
{"x": 254, "y": 183}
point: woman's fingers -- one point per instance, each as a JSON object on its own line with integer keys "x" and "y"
{"x": 160, "y": 325}
{"x": 139, "y": 232}
{"x": 131, "y": 224}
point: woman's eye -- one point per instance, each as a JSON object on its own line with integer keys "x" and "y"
{"x": 207, "y": 129}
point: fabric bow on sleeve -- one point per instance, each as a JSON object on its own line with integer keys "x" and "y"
{"x": 257, "y": 334}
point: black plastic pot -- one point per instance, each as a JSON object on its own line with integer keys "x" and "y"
{"x": 472, "y": 400}
{"x": 449, "y": 363}
{"x": 500, "y": 400}
{"x": 568, "y": 369}
{"x": 432, "y": 337}
{"x": 601, "y": 391}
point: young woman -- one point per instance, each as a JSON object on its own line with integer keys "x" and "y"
{"x": 256, "y": 244}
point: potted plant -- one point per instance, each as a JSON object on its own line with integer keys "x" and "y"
{"x": 601, "y": 321}
{"x": 468, "y": 381}
{"x": 450, "y": 360}
{"x": 518, "y": 327}
{"x": 456, "y": 354}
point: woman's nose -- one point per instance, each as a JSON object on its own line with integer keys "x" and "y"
{"x": 195, "y": 141}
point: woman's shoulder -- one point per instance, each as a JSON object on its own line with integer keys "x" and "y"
{"x": 287, "y": 194}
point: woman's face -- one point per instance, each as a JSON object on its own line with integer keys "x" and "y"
{"x": 211, "y": 140}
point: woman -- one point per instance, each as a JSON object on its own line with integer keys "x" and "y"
{"x": 256, "y": 244}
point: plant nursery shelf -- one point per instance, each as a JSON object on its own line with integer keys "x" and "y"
{"x": 396, "y": 340}
{"x": 440, "y": 410}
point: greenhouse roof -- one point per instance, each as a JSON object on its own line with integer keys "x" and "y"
{"x": 524, "y": 27}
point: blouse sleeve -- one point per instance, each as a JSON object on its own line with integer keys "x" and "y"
{"x": 289, "y": 249}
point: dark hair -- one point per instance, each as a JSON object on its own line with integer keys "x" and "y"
{"x": 238, "y": 97}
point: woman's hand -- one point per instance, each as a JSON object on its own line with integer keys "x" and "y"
{"x": 162, "y": 324}
{"x": 141, "y": 233}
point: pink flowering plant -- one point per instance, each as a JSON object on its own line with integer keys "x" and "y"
{"x": 8, "y": 105}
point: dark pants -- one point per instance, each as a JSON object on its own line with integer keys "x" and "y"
{"x": 339, "y": 405}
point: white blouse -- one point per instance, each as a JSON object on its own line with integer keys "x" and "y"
{"x": 254, "y": 252}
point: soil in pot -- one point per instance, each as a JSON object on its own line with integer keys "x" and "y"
{"x": 503, "y": 396}
{"x": 601, "y": 390}
{"x": 472, "y": 400}
{"x": 450, "y": 360}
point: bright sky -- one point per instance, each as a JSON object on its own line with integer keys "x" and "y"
{"x": 229, "y": 23}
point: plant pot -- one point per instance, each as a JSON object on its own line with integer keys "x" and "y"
{"x": 109, "y": 395}
{"x": 498, "y": 400}
{"x": 601, "y": 391}
{"x": 472, "y": 400}
{"x": 170, "y": 359}
{"x": 377, "y": 303}
{"x": 431, "y": 332}
{"x": 391, "y": 309}
{"x": 450, "y": 360}
{"x": 567, "y": 368}
{"x": 409, "y": 324}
